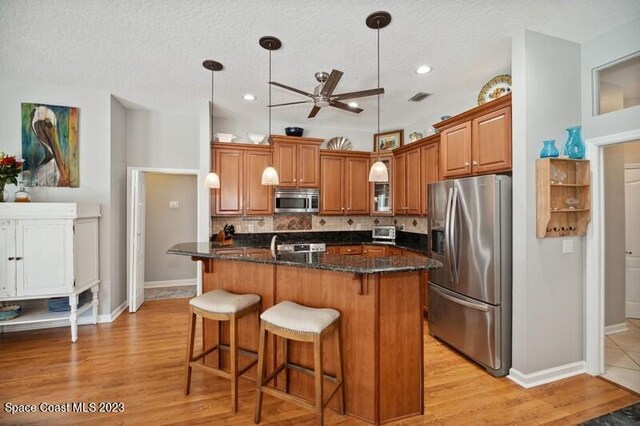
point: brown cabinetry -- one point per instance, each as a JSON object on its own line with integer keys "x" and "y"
{"x": 344, "y": 183}
{"x": 350, "y": 250}
{"x": 297, "y": 161}
{"x": 414, "y": 166}
{"x": 374, "y": 251}
{"x": 240, "y": 170}
{"x": 477, "y": 141}
{"x": 430, "y": 172}
{"x": 381, "y": 192}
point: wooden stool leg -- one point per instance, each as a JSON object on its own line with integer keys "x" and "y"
{"x": 286, "y": 361}
{"x": 233, "y": 363}
{"x": 317, "y": 361}
{"x": 190, "y": 341}
{"x": 219, "y": 351}
{"x": 262, "y": 354}
{"x": 338, "y": 347}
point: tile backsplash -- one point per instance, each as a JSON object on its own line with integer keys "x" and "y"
{"x": 308, "y": 222}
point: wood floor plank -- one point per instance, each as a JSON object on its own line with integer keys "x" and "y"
{"x": 139, "y": 360}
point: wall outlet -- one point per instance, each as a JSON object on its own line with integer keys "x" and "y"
{"x": 401, "y": 227}
{"x": 567, "y": 246}
{"x": 250, "y": 227}
{"x": 359, "y": 226}
{"x": 174, "y": 204}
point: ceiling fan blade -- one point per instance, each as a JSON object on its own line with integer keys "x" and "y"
{"x": 314, "y": 111}
{"x": 290, "y": 103}
{"x": 293, "y": 89}
{"x": 345, "y": 107}
{"x": 331, "y": 83}
{"x": 360, "y": 94}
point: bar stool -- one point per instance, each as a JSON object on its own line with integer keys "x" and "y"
{"x": 220, "y": 305}
{"x": 301, "y": 323}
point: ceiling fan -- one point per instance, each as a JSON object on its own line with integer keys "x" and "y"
{"x": 323, "y": 96}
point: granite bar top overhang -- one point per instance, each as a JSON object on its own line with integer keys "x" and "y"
{"x": 357, "y": 264}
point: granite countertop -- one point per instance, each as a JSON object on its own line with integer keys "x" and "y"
{"x": 257, "y": 253}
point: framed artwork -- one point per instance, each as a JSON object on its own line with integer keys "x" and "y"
{"x": 50, "y": 145}
{"x": 388, "y": 140}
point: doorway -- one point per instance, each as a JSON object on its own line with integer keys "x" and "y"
{"x": 161, "y": 211}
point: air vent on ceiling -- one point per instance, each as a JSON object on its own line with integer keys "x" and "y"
{"x": 419, "y": 96}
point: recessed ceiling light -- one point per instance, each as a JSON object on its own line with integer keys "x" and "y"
{"x": 423, "y": 69}
{"x": 249, "y": 97}
{"x": 353, "y": 104}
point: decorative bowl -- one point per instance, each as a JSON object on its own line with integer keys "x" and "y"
{"x": 339, "y": 143}
{"x": 9, "y": 312}
{"x": 225, "y": 137}
{"x": 572, "y": 203}
{"x": 293, "y": 131}
{"x": 445, "y": 117}
{"x": 256, "y": 138}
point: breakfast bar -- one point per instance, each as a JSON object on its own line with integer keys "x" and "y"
{"x": 380, "y": 303}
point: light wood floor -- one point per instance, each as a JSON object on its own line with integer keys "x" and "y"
{"x": 138, "y": 360}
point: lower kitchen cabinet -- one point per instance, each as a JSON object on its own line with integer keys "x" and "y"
{"x": 350, "y": 250}
{"x": 344, "y": 183}
{"x": 374, "y": 251}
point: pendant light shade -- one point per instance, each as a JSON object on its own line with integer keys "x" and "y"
{"x": 212, "y": 181}
{"x": 270, "y": 176}
{"x": 378, "y": 172}
{"x": 377, "y": 20}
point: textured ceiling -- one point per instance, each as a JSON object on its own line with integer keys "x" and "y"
{"x": 149, "y": 53}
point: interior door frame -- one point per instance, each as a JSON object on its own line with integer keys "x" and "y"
{"x": 130, "y": 213}
{"x": 594, "y": 253}
{"x": 630, "y": 166}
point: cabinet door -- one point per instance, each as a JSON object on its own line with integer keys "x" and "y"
{"x": 7, "y": 251}
{"x": 491, "y": 135}
{"x": 374, "y": 251}
{"x": 357, "y": 185}
{"x": 258, "y": 197}
{"x": 285, "y": 160}
{"x": 413, "y": 186}
{"x": 455, "y": 150}
{"x": 350, "y": 250}
{"x": 394, "y": 251}
{"x": 331, "y": 185}
{"x": 308, "y": 166}
{"x": 399, "y": 184}
{"x": 430, "y": 170}
{"x": 46, "y": 249}
{"x": 229, "y": 166}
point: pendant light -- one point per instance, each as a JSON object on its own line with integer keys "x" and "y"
{"x": 270, "y": 174}
{"x": 212, "y": 180}
{"x": 377, "y": 20}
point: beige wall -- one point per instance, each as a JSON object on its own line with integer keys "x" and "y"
{"x": 632, "y": 152}
{"x": 166, "y": 226}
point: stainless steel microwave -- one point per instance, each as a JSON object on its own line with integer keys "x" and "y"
{"x": 297, "y": 201}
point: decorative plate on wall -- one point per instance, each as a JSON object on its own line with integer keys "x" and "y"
{"x": 499, "y": 85}
{"x": 339, "y": 143}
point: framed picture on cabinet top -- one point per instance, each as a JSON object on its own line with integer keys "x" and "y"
{"x": 388, "y": 141}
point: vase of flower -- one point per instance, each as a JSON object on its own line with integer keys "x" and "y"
{"x": 549, "y": 149}
{"x": 574, "y": 147}
{"x": 10, "y": 168}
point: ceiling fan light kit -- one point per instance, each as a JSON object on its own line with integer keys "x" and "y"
{"x": 212, "y": 180}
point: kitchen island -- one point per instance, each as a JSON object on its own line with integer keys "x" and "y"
{"x": 379, "y": 299}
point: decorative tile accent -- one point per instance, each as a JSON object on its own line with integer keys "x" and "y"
{"x": 350, "y": 222}
{"x": 293, "y": 222}
{"x": 261, "y": 222}
{"x": 322, "y": 222}
{"x": 395, "y": 221}
{"x": 376, "y": 221}
{"x": 415, "y": 223}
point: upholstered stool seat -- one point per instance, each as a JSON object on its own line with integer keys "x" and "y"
{"x": 292, "y": 321}
{"x": 220, "y": 305}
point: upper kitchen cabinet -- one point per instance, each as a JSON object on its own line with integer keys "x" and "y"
{"x": 240, "y": 170}
{"x": 429, "y": 168}
{"x": 344, "y": 183}
{"x": 297, "y": 161}
{"x": 414, "y": 166}
{"x": 381, "y": 192}
{"x": 477, "y": 141}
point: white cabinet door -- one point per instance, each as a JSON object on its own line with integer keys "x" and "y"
{"x": 7, "y": 258}
{"x": 45, "y": 256}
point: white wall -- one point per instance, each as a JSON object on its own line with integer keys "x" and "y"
{"x": 118, "y": 207}
{"x": 602, "y": 50}
{"x": 547, "y": 285}
{"x": 162, "y": 139}
{"x": 94, "y": 152}
{"x": 165, "y": 226}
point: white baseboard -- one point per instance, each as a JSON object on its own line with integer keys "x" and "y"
{"x": 632, "y": 310}
{"x": 546, "y": 376}
{"x": 114, "y": 314}
{"x": 615, "y": 328}
{"x": 170, "y": 283}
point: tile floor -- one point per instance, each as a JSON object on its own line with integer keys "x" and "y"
{"x": 622, "y": 356}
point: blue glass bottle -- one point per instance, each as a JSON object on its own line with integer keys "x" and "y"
{"x": 549, "y": 149}
{"x": 574, "y": 147}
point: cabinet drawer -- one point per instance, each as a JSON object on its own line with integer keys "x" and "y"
{"x": 333, "y": 250}
{"x": 375, "y": 251}
{"x": 350, "y": 250}
{"x": 394, "y": 251}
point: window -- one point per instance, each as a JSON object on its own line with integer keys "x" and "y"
{"x": 617, "y": 85}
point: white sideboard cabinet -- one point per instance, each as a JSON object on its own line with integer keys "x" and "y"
{"x": 49, "y": 250}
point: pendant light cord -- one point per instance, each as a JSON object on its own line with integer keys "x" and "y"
{"x": 269, "y": 95}
{"x": 212, "y": 73}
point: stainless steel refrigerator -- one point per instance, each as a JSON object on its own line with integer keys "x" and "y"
{"x": 470, "y": 296}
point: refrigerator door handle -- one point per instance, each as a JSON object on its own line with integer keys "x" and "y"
{"x": 453, "y": 248}
{"x": 477, "y": 306}
{"x": 447, "y": 232}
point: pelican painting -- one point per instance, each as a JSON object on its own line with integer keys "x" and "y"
{"x": 50, "y": 145}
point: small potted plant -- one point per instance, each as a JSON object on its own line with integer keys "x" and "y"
{"x": 10, "y": 168}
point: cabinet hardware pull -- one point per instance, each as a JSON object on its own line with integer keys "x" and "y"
{"x": 12, "y": 258}
{"x": 348, "y": 208}
{"x": 301, "y": 180}
{"x": 628, "y": 252}
{"x": 18, "y": 258}
{"x": 466, "y": 164}
{"x": 475, "y": 163}
{"x": 295, "y": 180}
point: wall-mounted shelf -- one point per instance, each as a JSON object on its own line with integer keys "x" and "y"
{"x": 559, "y": 180}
